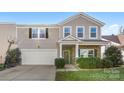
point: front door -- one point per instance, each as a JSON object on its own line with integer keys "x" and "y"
{"x": 66, "y": 54}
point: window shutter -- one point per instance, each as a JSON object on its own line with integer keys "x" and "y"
{"x": 30, "y": 33}
{"x": 46, "y": 32}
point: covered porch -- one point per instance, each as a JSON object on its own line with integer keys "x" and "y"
{"x": 71, "y": 52}
{"x": 72, "y": 48}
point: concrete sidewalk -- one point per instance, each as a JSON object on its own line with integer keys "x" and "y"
{"x": 69, "y": 67}
{"x": 29, "y": 73}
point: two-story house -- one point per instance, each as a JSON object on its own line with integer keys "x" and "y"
{"x": 77, "y": 36}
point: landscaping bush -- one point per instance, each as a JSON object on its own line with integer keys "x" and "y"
{"x": 59, "y": 62}
{"x": 89, "y": 63}
{"x": 113, "y": 54}
{"x": 13, "y": 58}
{"x": 1, "y": 67}
{"x": 106, "y": 63}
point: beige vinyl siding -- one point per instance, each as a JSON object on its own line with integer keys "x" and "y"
{"x": 6, "y": 31}
{"x": 48, "y": 43}
{"x": 80, "y": 22}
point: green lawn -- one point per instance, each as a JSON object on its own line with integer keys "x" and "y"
{"x": 91, "y": 75}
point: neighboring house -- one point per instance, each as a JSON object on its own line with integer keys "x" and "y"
{"x": 7, "y": 32}
{"x": 77, "y": 36}
{"x": 113, "y": 40}
{"x": 121, "y": 39}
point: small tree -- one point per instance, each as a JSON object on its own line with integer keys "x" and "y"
{"x": 13, "y": 58}
{"x": 11, "y": 42}
{"x": 113, "y": 54}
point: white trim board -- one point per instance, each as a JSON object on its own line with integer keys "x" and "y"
{"x": 61, "y": 40}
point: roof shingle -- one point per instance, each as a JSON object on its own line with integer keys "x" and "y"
{"x": 113, "y": 38}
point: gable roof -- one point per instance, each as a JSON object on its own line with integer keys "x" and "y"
{"x": 70, "y": 38}
{"x": 113, "y": 38}
{"x": 84, "y": 16}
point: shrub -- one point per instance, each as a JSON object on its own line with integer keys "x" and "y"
{"x": 106, "y": 63}
{"x": 1, "y": 66}
{"x": 113, "y": 54}
{"x": 13, "y": 58}
{"x": 89, "y": 63}
{"x": 59, "y": 62}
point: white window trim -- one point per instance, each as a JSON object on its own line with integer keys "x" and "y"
{"x": 90, "y": 32}
{"x": 88, "y": 50}
{"x": 93, "y": 51}
{"x": 39, "y": 33}
{"x": 64, "y": 30}
{"x": 83, "y": 32}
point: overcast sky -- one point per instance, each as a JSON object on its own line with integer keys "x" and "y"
{"x": 113, "y": 20}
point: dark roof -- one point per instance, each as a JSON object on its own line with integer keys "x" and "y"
{"x": 113, "y": 38}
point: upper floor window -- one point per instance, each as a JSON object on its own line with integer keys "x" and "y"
{"x": 80, "y": 31}
{"x": 93, "y": 32}
{"x": 38, "y": 33}
{"x": 34, "y": 33}
{"x": 66, "y": 31}
{"x": 42, "y": 33}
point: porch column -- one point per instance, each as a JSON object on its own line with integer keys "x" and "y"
{"x": 60, "y": 50}
{"x": 76, "y": 50}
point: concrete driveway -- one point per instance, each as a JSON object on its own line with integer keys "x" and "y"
{"x": 29, "y": 73}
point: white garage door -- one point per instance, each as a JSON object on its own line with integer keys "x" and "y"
{"x": 38, "y": 56}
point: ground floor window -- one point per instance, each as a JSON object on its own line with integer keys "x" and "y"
{"x": 86, "y": 53}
